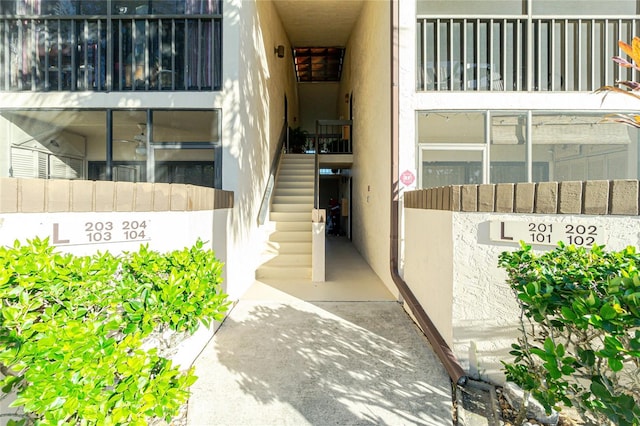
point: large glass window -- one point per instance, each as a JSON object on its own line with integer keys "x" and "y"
{"x": 56, "y": 144}
{"x": 508, "y": 147}
{"x": 451, "y": 127}
{"x": 444, "y": 167}
{"x": 581, "y": 147}
{"x": 549, "y": 146}
{"x": 452, "y": 147}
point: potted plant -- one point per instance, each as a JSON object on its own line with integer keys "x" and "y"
{"x": 297, "y": 140}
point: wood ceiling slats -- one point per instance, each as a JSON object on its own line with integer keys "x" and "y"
{"x": 318, "y": 63}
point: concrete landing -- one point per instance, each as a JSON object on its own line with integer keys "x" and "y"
{"x": 340, "y": 352}
{"x": 319, "y": 363}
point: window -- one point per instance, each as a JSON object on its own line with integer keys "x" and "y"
{"x": 72, "y": 144}
{"x": 186, "y": 172}
{"x": 29, "y": 163}
{"x": 455, "y": 148}
{"x": 580, "y": 147}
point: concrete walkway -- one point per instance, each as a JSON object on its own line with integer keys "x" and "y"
{"x": 290, "y": 355}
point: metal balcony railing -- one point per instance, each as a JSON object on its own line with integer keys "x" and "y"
{"x": 521, "y": 53}
{"x": 110, "y": 53}
{"x": 333, "y": 137}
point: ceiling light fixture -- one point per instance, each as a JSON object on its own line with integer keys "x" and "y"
{"x": 141, "y": 139}
{"x": 141, "y": 149}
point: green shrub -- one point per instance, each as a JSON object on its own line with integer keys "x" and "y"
{"x": 580, "y": 343}
{"x": 71, "y": 330}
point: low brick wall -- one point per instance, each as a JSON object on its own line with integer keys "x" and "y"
{"x": 597, "y": 197}
{"x": 53, "y": 196}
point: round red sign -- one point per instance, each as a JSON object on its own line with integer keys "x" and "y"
{"x": 407, "y": 177}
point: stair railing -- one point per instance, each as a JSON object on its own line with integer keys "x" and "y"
{"x": 316, "y": 175}
{"x": 275, "y": 165}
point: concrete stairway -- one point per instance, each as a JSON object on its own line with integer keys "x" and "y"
{"x": 289, "y": 246}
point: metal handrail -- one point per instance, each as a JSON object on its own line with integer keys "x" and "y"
{"x": 275, "y": 165}
{"x": 316, "y": 175}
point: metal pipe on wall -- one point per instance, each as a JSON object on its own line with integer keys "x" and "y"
{"x": 442, "y": 350}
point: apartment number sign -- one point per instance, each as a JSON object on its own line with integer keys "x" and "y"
{"x": 547, "y": 232}
{"x": 101, "y": 231}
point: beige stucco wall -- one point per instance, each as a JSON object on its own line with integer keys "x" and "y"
{"x": 429, "y": 265}
{"x": 255, "y": 84}
{"x": 367, "y": 75}
{"x": 317, "y": 102}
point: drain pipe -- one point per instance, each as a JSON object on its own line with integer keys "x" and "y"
{"x": 442, "y": 350}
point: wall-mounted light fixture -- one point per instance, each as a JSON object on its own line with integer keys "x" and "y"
{"x": 279, "y": 50}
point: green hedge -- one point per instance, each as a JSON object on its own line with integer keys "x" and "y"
{"x": 580, "y": 343}
{"x": 71, "y": 329}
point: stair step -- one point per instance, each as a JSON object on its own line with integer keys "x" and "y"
{"x": 307, "y": 171}
{"x": 290, "y": 236}
{"x": 299, "y": 162}
{"x": 296, "y": 184}
{"x": 294, "y": 226}
{"x": 290, "y": 216}
{"x": 279, "y": 272}
{"x": 293, "y": 199}
{"x": 293, "y": 192}
{"x": 289, "y": 247}
{"x": 291, "y": 259}
{"x": 292, "y": 208}
{"x": 297, "y": 168}
{"x": 299, "y": 157}
{"x": 296, "y": 178}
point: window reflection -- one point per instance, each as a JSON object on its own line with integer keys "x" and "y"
{"x": 582, "y": 147}
{"x": 442, "y": 168}
{"x": 68, "y": 144}
{"x": 65, "y": 51}
{"x": 99, "y": 7}
{"x": 567, "y": 146}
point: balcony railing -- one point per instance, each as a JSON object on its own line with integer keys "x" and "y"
{"x": 110, "y": 54}
{"x": 520, "y": 53}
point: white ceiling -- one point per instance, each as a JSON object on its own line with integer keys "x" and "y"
{"x": 318, "y": 23}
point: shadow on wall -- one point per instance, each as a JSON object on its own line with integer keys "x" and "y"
{"x": 327, "y": 364}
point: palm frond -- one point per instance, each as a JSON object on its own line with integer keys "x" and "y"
{"x": 628, "y": 119}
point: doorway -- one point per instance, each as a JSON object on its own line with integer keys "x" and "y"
{"x": 335, "y": 194}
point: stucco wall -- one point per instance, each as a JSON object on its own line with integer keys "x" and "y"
{"x": 367, "y": 76}
{"x": 485, "y": 313}
{"x": 467, "y": 296}
{"x": 429, "y": 265}
{"x": 317, "y": 102}
{"x": 255, "y": 84}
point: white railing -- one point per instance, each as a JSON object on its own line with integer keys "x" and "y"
{"x": 521, "y": 53}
